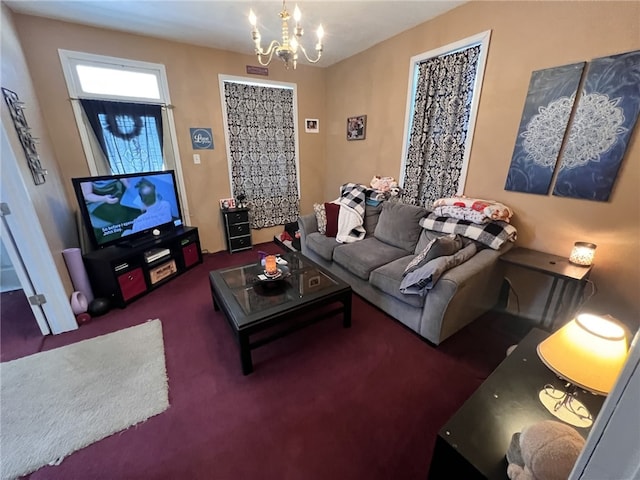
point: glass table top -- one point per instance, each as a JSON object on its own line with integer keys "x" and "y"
{"x": 304, "y": 280}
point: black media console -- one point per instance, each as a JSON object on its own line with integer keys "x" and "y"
{"x": 122, "y": 274}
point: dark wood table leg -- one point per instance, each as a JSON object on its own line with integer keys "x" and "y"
{"x": 245, "y": 354}
{"x": 213, "y": 297}
{"x": 346, "y": 304}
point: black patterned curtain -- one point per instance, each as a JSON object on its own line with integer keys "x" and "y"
{"x": 130, "y": 134}
{"x": 262, "y": 143}
{"x": 444, "y": 91}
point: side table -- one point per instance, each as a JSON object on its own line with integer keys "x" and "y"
{"x": 572, "y": 277}
{"x": 474, "y": 442}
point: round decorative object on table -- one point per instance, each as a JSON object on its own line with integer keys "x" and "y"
{"x": 268, "y": 284}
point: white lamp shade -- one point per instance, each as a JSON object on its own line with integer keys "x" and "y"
{"x": 589, "y": 351}
{"x": 583, "y": 253}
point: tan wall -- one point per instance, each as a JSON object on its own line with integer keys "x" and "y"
{"x": 193, "y": 84}
{"x": 526, "y": 36}
{"x": 49, "y": 198}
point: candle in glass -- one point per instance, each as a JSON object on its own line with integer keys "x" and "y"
{"x": 270, "y": 264}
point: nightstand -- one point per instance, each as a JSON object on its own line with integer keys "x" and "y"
{"x": 237, "y": 229}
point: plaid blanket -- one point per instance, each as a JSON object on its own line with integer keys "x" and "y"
{"x": 352, "y": 204}
{"x": 492, "y": 234}
{"x": 353, "y": 195}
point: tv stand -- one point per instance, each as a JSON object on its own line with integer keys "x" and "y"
{"x": 124, "y": 273}
{"x": 146, "y": 242}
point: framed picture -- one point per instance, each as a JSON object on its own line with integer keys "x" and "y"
{"x": 311, "y": 125}
{"x": 357, "y": 127}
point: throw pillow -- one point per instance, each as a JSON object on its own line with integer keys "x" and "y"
{"x": 332, "y": 210}
{"x": 438, "y": 247}
{"x": 321, "y": 217}
{"x": 398, "y": 225}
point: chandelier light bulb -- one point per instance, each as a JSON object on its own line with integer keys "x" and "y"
{"x": 320, "y": 32}
{"x": 252, "y": 18}
{"x": 297, "y": 15}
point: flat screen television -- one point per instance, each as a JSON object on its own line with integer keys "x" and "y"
{"x": 128, "y": 209}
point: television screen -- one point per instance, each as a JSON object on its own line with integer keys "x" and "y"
{"x": 127, "y": 208}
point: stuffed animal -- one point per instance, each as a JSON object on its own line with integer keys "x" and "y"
{"x": 546, "y": 450}
{"x": 382, "y": 184}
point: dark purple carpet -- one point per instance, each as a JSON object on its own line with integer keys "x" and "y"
{"x": 324, "y": 402}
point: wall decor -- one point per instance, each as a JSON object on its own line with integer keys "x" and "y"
{"x": 201, "y": 138}
{"x": 603, "y": 122}
{"x": 16, "y": 108}
{"x": 226, "y": 203}
{"x": 545, "y": 117}
{"x": 311, "y": 125}
{"x": 357, "y": 127}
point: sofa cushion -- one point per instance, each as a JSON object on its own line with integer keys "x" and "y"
{"x": 438, "y": 247}
{"x": 398, "y": 225}
{"x": 361, "y": 257}
{"x": 332, "y": 210}
{"x": 387, "y": 278}
{"x": 371, "y": 217}
{"x": 321, "y": 217}
{"x": 321, "y": 244}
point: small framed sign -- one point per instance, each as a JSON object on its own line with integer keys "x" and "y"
{"x": 311, "y": 125}
{"x": 201, "y": 138}
{"x": 226, "y": 203}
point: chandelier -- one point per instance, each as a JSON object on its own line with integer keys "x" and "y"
{"x": 287, "y": 49}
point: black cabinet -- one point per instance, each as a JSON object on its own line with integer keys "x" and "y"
{"x": 237, "y": 229}
{"x": 123, "y": 274}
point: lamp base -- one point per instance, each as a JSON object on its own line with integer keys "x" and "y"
{"x": 565, "y": 406}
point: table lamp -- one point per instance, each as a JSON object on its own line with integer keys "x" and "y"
{"x": 582, "y": 253}
{"x": 588, "y": 352}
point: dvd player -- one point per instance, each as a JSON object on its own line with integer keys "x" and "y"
{"x": 151, "y": 256}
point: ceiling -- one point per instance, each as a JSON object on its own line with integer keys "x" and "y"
{"x": 350, "y": 26}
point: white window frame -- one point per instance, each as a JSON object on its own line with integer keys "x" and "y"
{"x": 263, "y": 83}
{"x": 481, "y": 39}
{"x": 70, "y": 59}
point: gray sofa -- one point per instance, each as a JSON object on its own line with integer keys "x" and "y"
{"x": 374, "y": 266}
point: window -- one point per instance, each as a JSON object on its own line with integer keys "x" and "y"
{"x": 123, "y": 113}
{"x": 130, "y": 134}
{"x": 441, "y": 109}
{"x": 262, "y": 144}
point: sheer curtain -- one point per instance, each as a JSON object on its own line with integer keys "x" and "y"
{"x": 444, "y": 91}
{"x": 260, "y": 122}
{"x": 130, "y": 135}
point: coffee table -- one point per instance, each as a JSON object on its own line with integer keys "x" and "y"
{"x": 276, "y": 308}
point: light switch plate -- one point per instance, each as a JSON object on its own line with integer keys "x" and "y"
{"x": 196, "y": 158}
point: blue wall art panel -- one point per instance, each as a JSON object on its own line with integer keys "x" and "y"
{"x": 544, "y": 122}
{"x": 605, "y": 116}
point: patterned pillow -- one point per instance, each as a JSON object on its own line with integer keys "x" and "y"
{"x": 438, "y": 247}
{"x": 321, "y": 217}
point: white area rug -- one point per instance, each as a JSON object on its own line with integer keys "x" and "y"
{"x": 56, "y": 402}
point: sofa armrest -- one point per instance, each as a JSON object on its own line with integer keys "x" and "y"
{"x": 482, "y": 260}
{"x": 308, "y": 224}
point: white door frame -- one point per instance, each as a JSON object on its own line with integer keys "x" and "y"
{"x": 28, "y": 248}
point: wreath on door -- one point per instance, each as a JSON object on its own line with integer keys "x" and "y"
{"x": 114, "y": 128}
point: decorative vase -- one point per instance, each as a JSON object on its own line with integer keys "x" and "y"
{"x": 79, "y": 303}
